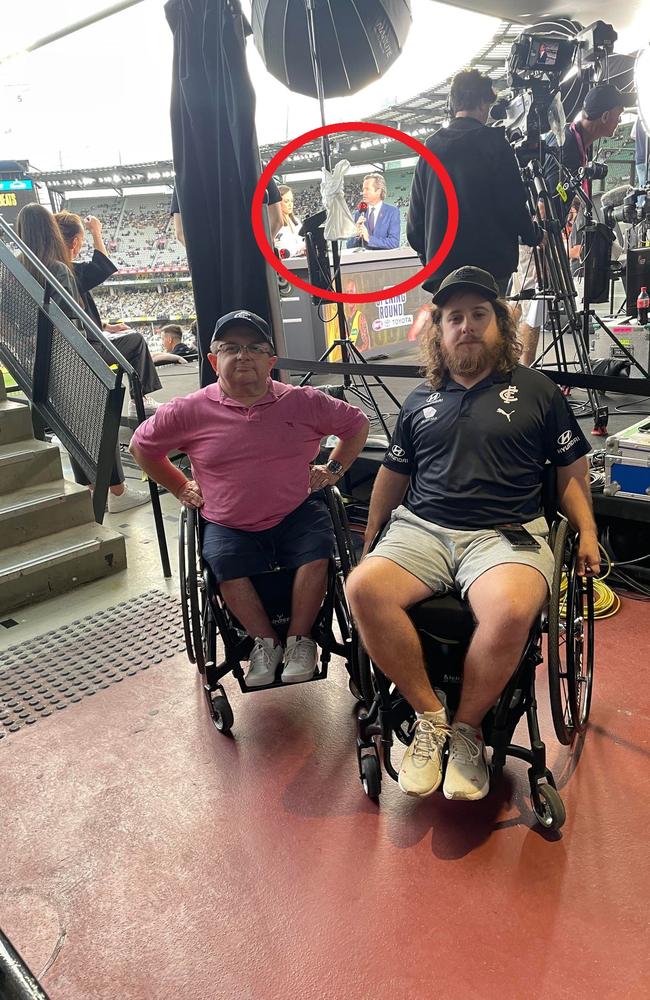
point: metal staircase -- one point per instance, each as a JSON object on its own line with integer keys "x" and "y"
{"x": 49, "y": 539}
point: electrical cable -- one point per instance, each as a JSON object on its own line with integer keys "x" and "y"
{"x": 607, "y": 603}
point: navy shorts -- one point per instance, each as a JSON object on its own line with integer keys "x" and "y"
{"x": 303, "y": 536}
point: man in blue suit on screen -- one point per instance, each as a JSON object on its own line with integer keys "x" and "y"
{"x": 378, "y": 224}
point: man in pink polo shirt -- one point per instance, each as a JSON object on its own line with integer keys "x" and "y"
{"x": 251, "y": 441}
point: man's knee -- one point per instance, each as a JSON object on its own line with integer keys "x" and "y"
{"x": 363, "y": 588}
{"x": 510, "y": 622}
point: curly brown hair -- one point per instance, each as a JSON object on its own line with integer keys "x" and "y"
{"x": 508, "y": 352}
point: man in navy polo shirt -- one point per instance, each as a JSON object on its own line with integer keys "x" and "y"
{"x": 467, "y": 454}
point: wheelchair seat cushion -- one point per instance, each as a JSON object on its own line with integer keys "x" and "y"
{"x": 303, "y": 536}
{"x": 446, "y": 617}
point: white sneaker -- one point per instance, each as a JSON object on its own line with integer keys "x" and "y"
{"x": 421, "y": 770}
{"x": 150, "y": 407}
{"x": 125, "y": 501}
{"x": 300, "y": 659}
{"x": 264, "y": 659}
{"x": 467, "y": 775}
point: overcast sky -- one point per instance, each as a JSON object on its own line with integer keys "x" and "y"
{"x": 101, "y": 96}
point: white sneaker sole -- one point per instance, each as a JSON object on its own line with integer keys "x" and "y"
{"x": 260, "y": 680}
{"x": 478, "y": 793}
{"x": 297, "y": 678}
{"x": 418, "y": 795}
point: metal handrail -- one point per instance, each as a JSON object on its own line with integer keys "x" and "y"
{"x": 51, "y": 313}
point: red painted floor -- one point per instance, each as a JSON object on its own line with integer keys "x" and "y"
{"x": 146, "y": 857}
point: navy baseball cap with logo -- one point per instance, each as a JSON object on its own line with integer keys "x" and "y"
{"x": 470, "y": 279}
{"x": 242, "y": 317}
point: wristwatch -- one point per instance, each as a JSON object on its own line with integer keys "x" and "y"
{"x": 334, "y": 467}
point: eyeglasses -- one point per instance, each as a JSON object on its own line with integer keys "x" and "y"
{"x": 233, "y": 350}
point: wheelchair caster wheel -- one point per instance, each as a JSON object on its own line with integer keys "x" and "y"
{"x": 221, "y": 712}
{"x": 371, "y": 776}
{"x": 354, "y": 690}
{"x": 548, "y": 807}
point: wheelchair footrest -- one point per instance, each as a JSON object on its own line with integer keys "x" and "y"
{"x": 320, "y": 674}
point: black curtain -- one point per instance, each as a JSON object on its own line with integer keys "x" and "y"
{"x": 216, "y": 159}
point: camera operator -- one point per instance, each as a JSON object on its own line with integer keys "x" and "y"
{"x": 601, "y": 113}
{"x": 491, "y": 193}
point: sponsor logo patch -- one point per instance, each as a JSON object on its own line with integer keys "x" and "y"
{"x": 566, "y": 440}
{"x": 397, "y": 454}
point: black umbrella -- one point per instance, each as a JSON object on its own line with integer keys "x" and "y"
{"x": 216, "y": 160}
{"x": 357, "y": 41}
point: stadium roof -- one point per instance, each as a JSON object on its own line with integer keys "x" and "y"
{"x": 418, "y": 116}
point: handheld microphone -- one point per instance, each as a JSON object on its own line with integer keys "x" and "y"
{"x": 362, "y": 207}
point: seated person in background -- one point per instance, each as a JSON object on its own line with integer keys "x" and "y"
{"x": 250, "y": 441}
{"x": 468, "y": 453}
{"x": 89, "y": 274}
{"x": 287, "y": 238}
{"x": 174, "y": 349}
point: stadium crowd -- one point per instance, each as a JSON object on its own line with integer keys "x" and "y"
{"x": 129, "y": 305}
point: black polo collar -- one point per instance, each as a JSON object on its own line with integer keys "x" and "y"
{"x": 494, "y": 378}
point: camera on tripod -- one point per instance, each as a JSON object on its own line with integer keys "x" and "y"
{"x": 593, "y": 171}
{"x": 633, "y": 208}
{"x": 537, "y": 67}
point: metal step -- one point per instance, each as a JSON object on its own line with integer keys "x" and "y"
{"x": 26, "y": 463}
{"x": 35, "y": 511}
{"x": 58, "y": 563}
{"x": 15, "y": 422}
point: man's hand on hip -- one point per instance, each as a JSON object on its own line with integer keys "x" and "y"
{"x": 190, "y": 494}
{"x": 320, "y": 476}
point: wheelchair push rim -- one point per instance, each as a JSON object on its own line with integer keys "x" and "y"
{"x": 570, "y": 639}
{"x": 193, "y": 588}
{"x": 183, "y": 574}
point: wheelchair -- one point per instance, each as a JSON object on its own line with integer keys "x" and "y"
{"x": 206, "y": 618}
{"x": 445, "y": 626}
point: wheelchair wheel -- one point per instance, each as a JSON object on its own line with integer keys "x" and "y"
{"x": 194, "y": 589}
{"x": 221, "y": 712}
{"x": 580, "y": 647}
{"x": 570, "y": 639}
{"x": 182, "y": 573}
{"x": 344, "y": 541}
{"x": 371, "y": 775}
{"x": 548, "y": 807}
{"x": 365, "y": 681}
{"x": 558, "y": 651}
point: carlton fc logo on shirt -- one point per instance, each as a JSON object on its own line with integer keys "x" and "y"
{"x": 509, "y": 395}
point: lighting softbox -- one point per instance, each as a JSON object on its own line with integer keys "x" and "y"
{"x": 357, "y": 41}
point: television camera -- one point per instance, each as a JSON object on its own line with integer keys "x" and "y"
{"x": 538, "y": 67}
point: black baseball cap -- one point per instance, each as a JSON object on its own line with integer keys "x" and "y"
{"x": 242, "y": 317}
{"x": 472, "y": 279}
{"x": 603, "y": 98}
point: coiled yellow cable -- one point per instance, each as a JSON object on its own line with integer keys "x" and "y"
{"x": 606, "y": 602}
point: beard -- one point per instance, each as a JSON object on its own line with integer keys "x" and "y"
{"x": 463, "y": 360}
